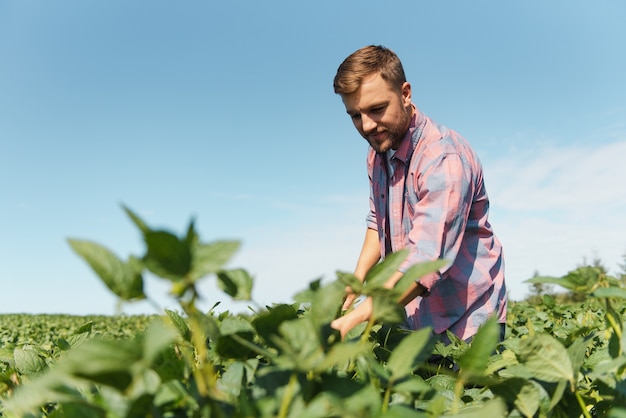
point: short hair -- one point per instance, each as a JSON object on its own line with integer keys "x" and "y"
{"x": 366, "y": 61}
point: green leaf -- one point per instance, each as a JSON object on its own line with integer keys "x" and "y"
{"x": 235, "y": 283}
{"x": 341, "y": 354}
{"x": 417, "y": 271}
{"x": 402, "y": 411}
{"x": 229, "y": 347}
{"x": 300, "y": 346}
{"x": 609, "y": 292}
{"x": 581, "y": 280}
{"x": 27, "y": 361}
{"x": 381, "y": 272}
{"x": 267, "y": 323}
{"x": 412, "y": 350}
{"x": 306, "y": 296}
{"x": 106, "y": 362}
{"x": 136, "y": 220}
{"x": 474, "y": 361}
{"x": 577, "y": 352}
{"x": 386, "y": 308}
{"x": 123, "y": 279}
{"x": 167, "y": 256}
{"x": 180, "y": 324}
{"x": 157, "y": 337}
{"x": 87, "y": 327}
{"x": 412, "y": 384}
{"x": 232, "y": 380}
{"x": 546, "y": 358}
{"x": 493, "y": 408}
{"x": 351, "y": 281}
{"x": 210, "y": 258}
{"x": 327, "y": 303}
{"x": 519, "y": 392}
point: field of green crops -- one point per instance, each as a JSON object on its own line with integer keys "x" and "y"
{"x": 562, "y": 357}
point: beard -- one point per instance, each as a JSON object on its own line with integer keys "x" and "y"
{"x": 385, "y": 137}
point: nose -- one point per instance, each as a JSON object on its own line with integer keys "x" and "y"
{"x": 368, "y": 123}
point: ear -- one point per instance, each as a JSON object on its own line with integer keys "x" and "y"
{"x": 406, "y": 93}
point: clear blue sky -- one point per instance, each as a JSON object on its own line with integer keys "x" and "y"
{"x": 224, "y": 111}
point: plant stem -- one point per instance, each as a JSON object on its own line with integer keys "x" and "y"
{"x": 366, "y": 332}
{"x": 385, "y": 405}
{"x": 582, "y": 404}
{"x": 284, "y": 405}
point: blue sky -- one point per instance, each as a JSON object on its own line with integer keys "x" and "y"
{"x": 224, "y": 111}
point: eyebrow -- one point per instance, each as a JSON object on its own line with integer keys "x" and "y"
{"x": 368, "y": 109}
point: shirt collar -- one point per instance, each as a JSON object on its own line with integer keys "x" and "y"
{"x": 412, "y": 136}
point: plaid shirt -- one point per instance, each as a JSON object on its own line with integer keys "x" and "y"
{"x": 436, "y": 205}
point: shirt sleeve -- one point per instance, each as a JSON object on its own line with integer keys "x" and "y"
{"x": 440, "y": 216}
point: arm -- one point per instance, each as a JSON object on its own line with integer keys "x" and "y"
{"x": 363, "y": 312}
{"x": 370, "y": 254}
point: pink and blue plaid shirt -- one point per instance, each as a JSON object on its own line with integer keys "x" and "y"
{"x": 433, "y": 196}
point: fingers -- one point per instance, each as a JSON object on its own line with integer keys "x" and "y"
{"x": 348, "y": 301}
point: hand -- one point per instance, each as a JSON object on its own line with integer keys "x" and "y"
{"x": 348, "y": 301}
{"x": 361, "y": 313}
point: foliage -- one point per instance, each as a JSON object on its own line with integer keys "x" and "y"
{"x": 286, "y": 361}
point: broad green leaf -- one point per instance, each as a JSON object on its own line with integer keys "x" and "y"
{"x": 87, "y": 327}
{"x": 76, "y": 409}
{"x": 306, "y": 296}
{"x": 210, "y": 258}
{"x": 171, "y": 392}
{"x": 411, "y": 384}
{"x": 234, "y": 325}
{"x": 180, "y": 324}
{"x": 107, "y": 362}
{"x": 140, "y": 406}
{"x": 350, "y": 280}
{"x": 520, "y": 392}
{"x": 581, "y": 280}
{"x": 416, "y": 271}
{"x": 412, "y": 350}
{"x": 474, "y": 361}
{"x": 157, "y": 337}
{"x": 350, "y": 397}
{"x": 546, "y": 358}
{"x": 401, "y": 411}
{"x": 192, "y": 236}
{"x": 326, "y": 303}
{"x": 123, "y": 279}
{"x": 235, "y": 283}
{"x": 229, "y": 347}
{"x": 267, "y": 323}
{"x": 167, "y": 255}
{"x": 493, "y": 408}
{"x": 442, "y": 382}
{"x": 28, "y": 398}
{"x": 364, "y": 403}
{"x": 340, "y": 354}
{"x": 136, "y": 220}
{"x": 617, "y": 412}
{"x": 300, "y": 344}
{"x": 577, "y": 352}
{"x": 609, "y": 292}
{"x": 232, "y": 380}
{"x": 27, "y": 361}
{"x": 386, "y": 308}
{"x": 381, "y": 272}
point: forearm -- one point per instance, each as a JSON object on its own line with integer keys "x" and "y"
{"x": 370, "y": 254}
{"x": 413, "y": 291}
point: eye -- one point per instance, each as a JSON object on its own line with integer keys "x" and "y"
{"x": 355, "y": 116}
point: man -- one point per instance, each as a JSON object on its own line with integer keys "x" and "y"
{"x": 426, "y": 194}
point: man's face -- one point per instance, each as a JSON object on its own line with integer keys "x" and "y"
{"x": 379, "y": 112}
